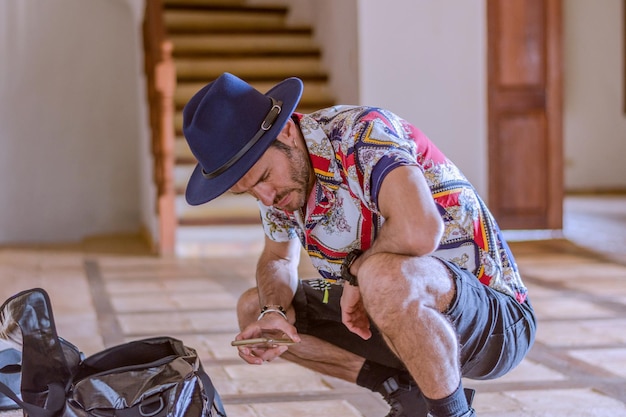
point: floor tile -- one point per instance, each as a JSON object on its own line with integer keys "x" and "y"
{"x": 274, "y": 378}
{"x": 573, "y": 402}
{"x": 580, "y": 332}
{"x": 611, "y": 359}
{"x": 569, "y": 308}
{"x": 307, "y": 408}
{"x": 527, "y": 371}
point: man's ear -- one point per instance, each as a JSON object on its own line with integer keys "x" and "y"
{"x": 287, "y": 132}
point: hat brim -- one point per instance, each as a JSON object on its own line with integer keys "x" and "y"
{"x": 201, "y": 190}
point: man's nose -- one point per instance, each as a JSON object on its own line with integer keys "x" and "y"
{"x": 265, "y": 193}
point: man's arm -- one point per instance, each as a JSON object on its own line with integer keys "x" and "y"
{"x": 277, "y": 272}
{"x": 277, "y": 280}
{"x": 413, "y": 225}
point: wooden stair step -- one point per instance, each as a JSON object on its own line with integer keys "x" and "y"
{"x": 256, "y": 67}
{"x": 225, "y": 209}
{"x": 182, "y": 152}
{"x": 315, "y": 92}
{"x": 244, "y": 43}
{"x": 185, "y": 3}
{"x": 190, "y": 21}
{"x": 182, "y": 172}
{"x": 222, "y": 5}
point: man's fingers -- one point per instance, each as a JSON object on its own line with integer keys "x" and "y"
{"x": 253, "y": 360}
{"x": 256, "y": 356}
{"x": 363, "y": 331}
{"x": 365, "y": 334}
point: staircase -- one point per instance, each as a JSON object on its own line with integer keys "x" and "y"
{"x": 210, "y": 37}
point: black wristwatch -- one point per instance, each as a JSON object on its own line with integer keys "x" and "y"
{"x": 345, "y": 267}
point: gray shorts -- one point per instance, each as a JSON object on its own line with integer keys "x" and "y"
{"x": 495, "y": 331}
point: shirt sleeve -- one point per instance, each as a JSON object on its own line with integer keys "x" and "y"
{"x": 380, "y": 147}
{"x": 385, "y": 165}
{"x": 277, "y": 225}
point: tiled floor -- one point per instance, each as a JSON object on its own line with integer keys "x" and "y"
{"x": 104, "y": 294}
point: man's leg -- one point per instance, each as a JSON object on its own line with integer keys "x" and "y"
{"x": 495, "y": 332}
{"x": 406, "y": 298}
{"x": 312, "y": 352}
{"x": 337, "y": 352}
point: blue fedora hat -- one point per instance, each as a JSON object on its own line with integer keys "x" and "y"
{"x": 228, "y": 125}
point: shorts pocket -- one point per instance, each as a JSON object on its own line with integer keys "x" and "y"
{"x": 501, "y": 352}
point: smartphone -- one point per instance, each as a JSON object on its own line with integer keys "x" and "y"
{"x": 266, "y": 342}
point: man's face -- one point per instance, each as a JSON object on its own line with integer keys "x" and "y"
{"x": 282, "y": 176}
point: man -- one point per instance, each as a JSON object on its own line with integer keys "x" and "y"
{"x": 418, "y": 287}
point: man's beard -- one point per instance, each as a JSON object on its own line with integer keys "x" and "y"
{"x": 300, "y": 173}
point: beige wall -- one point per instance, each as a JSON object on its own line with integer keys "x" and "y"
{"x": 337, "y": 29}
{"x": 594, "y": 120}
{"x": 72, "y": 136}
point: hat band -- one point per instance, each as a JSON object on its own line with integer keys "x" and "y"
{"x": 267, "y": 123}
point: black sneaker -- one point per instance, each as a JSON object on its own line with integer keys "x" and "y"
{"x": 406, "y": 400}
{"x": 404, "y": 397}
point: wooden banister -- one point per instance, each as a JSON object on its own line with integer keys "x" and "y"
{"x": 161, "y": 83}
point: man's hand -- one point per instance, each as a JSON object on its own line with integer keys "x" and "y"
{"x": 353, "y": 313}
{"x": 269, "y": 323}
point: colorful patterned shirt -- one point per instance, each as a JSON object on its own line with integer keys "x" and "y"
{"x": 351, "y": 150}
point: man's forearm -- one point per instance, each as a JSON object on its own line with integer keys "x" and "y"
{"x": 277, "y": 281}
{"x": 277, "y": 273}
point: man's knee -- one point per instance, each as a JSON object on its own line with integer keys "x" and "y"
{"x": 392, "y": 282}
{"x": 248, "y": 307}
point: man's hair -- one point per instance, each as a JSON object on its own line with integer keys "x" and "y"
{"x": 281, "y": 146}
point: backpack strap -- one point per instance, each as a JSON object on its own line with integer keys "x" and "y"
{"x": 43, "y": 362}
{"x": 214, "y": 398}
{"x": 55, "y": 403}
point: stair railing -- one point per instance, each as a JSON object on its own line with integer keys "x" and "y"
{"x": 161, "y": 84}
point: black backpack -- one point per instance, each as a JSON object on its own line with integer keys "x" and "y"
{"x": 154, "y": 377}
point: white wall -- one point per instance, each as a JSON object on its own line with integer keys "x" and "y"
{"x": 145, "y": 162}
{"x": 70, "y": 120}
{"x": 426, "y": 61}
{"x": 594, "y": 121}
{"x": 336, "y": 28}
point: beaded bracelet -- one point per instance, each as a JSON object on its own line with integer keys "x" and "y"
{"x": 272, "y": 309}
